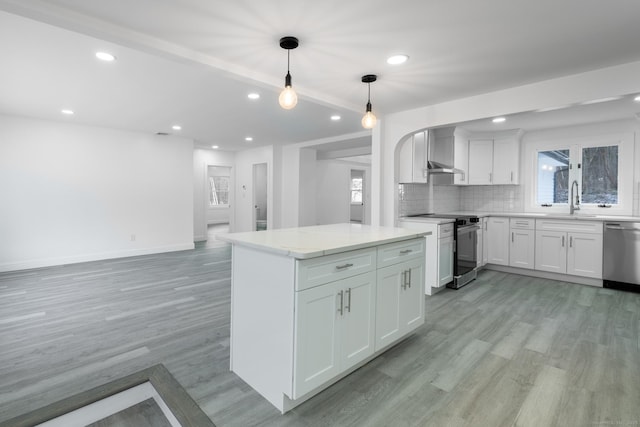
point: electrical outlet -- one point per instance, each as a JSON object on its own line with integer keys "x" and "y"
{"x": 133, "y": 237}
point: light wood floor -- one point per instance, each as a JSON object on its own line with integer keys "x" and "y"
{"x": 505, "y": 350}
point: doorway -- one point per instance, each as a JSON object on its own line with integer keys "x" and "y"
{"x": 217, "y": 202}
{"x": 357, "y": 197}
{"x": 260, "y": 203}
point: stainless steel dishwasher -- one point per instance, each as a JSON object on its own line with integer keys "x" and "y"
{"x": 621, "y": 260}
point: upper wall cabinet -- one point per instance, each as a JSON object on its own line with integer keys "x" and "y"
{"x": 413, "y": 160}
{"x": 495, "y": 159}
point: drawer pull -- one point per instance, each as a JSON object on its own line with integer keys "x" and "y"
{"x": 343, "y": 266}
{"x": 406, "y": 251}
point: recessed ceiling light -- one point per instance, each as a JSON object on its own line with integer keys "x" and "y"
{"x": 335, "y": 118}
{"x": 597, "y": 101}
{"x": 176, "y": 127}
{"x": 544, "y": 110}
{"x": 637, "y": 98}
{"x": 215, "y": 147}
{"x": 397, "y": 59}
{"x": 248, "y": 139}
{"x": 105, "y": 56}
{"x": 67, "y": 112}
{"x": 253, "y": 96}
{"x": 499, "y": 120}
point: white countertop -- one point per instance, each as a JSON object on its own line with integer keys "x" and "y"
{"x": 577, "y": 216}
{"x": 319, "y": 240}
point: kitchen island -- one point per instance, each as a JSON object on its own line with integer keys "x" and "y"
{"x": 310, "y": 305}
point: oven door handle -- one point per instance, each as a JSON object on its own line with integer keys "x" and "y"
{"x": 467, "y": 228}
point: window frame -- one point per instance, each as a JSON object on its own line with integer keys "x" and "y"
{"x": 625, "y": 144}
{"x": 351, "y": 191}
{"x": 219, "y": 205}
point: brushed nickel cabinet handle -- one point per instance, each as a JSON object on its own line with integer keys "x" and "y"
{"x": 512, "y": 233}
{"x": 348, "y": 307}
{"x": 512, "y": 176}
{"x": 563, "y": 241}
{"x": 404, "y": 279}
{"x": 343, "y": 266}
{"x": 406, "y": 251}
{"x": 341, "y": 309}
{"x": 409, "y": 281}
{"x": 570, "y": 241}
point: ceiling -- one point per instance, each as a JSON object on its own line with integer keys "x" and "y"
{"x": 193, "y": 62}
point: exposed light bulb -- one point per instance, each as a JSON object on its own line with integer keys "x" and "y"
{"x": 369, "y": 120}
{"x": 288, "y": 97}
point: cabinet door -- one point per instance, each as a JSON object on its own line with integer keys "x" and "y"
{"x": 522, "y": 248}
{"x": 412, "y": 160}
{"x": 485, "y": 241}
{"x": 498, "y": 237}
{"x": 419, "y": 158}
{"x": 388, "y": 287}
{"x": 461, "y": 160}
{"x": 412, "y": 296}
{"x": 357, "y": 328}
{"x": 551, "y": 251}
{"x": 506, "y": 161}
{"x": 480, "y": 246}
{"x": 316, "y": 354}
{"x": 445, "y": 260}
{"x": 480, "y": 161}
{"x": 584, "y": 256}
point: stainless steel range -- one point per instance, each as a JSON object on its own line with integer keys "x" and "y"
{"x": 465, "y": 258}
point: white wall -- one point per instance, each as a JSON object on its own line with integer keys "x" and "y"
{"x": 333, "y": 191}
{"x": 76, "y": 193}
{"x": 202, "y": 159}
{"x": 308, "y": 188}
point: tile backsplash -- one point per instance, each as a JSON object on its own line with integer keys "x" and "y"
{"x": 422, "y": 198}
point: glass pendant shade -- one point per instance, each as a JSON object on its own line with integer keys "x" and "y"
{"x": 369, "y": 120}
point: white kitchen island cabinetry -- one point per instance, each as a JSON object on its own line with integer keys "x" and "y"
{"x": 304, "y": 303}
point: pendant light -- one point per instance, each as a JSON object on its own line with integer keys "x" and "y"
{"x": 288, "y": 98}
{"x": 369, "y": 120}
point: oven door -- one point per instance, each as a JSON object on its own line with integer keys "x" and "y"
{"x": 466, "y": 259}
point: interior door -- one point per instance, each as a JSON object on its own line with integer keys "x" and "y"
{"x": 260, "y": 197}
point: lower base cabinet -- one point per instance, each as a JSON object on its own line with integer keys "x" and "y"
{"x": 335, "y": 329}
{"x": 399, "y": 308}
{"x": 578, "y": 253}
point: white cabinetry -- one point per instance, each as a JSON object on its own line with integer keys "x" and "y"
{"x": 413, "y": 160}
{"x": 446, "y": 253}
{"x": 480, "y": 162}
{"x": 334, "y": 329}
{"x": 522, "y": 243}
{"x": 485, "y": 241}
{"x": 494, "y": 159}
{"x": 506, "y": 160}
{"x": 400, "y": 294}
{"x": 498, "y": 240}
{"x": 569, "y": 247}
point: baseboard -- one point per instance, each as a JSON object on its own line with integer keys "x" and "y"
{"x": 546, "y": 275}
{"x": 200, "y": 238}
{"x": 75, "y": 259}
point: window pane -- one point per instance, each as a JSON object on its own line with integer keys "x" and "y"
{"x": 553, "y": 176}
{"x": 600, "y": 175}
{"x": 356, "y": 196}
{"x": 219, "y": 194}
{"x": 356, "y": 183}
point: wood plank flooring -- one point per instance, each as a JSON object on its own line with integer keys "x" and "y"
{"x": 506, "y": 350}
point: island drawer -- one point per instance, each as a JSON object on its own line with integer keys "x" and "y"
{"x": 318, "y": 271}
{"x": 524, "y": 223}
{"x": 393, "y": 253}
{"x": 445, "y": 230}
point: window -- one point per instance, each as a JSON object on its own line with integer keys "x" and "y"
{"x": 553, "y": 177}
{"x": 597, "y": 166}
{"x": 356, "y": 191}
{"x": 218, "y": 191}
{"x": 600, "y": 175}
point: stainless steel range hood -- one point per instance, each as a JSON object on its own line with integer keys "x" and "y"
{"x": 436, "y": 167}
{"x": 441, "y": 152}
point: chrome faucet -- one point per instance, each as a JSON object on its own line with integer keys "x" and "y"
{"x": 574, "y": 207}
